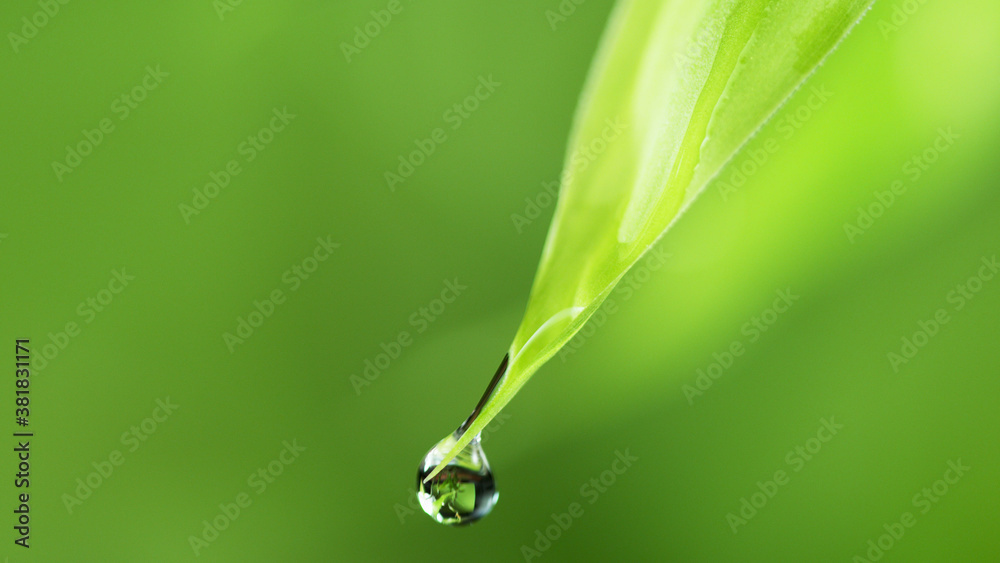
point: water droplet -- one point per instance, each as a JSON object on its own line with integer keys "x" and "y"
{"x": 464, "y": 491}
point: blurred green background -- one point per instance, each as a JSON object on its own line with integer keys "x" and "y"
{"x": 348, "y": 495}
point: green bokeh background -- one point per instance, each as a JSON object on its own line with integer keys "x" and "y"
{"x": 347, "y": 496}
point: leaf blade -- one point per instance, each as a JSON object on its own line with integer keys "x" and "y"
{"x": 696, "y": 81}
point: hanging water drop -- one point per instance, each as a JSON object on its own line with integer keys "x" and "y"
{"x": 464, "y": 491}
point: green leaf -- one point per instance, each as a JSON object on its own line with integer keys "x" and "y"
{"x": 676, "y": 89}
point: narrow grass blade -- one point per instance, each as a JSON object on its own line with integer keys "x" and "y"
{"x": 684, "y": 84}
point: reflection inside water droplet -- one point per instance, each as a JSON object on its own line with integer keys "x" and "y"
{"x": 464, "y": 491}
